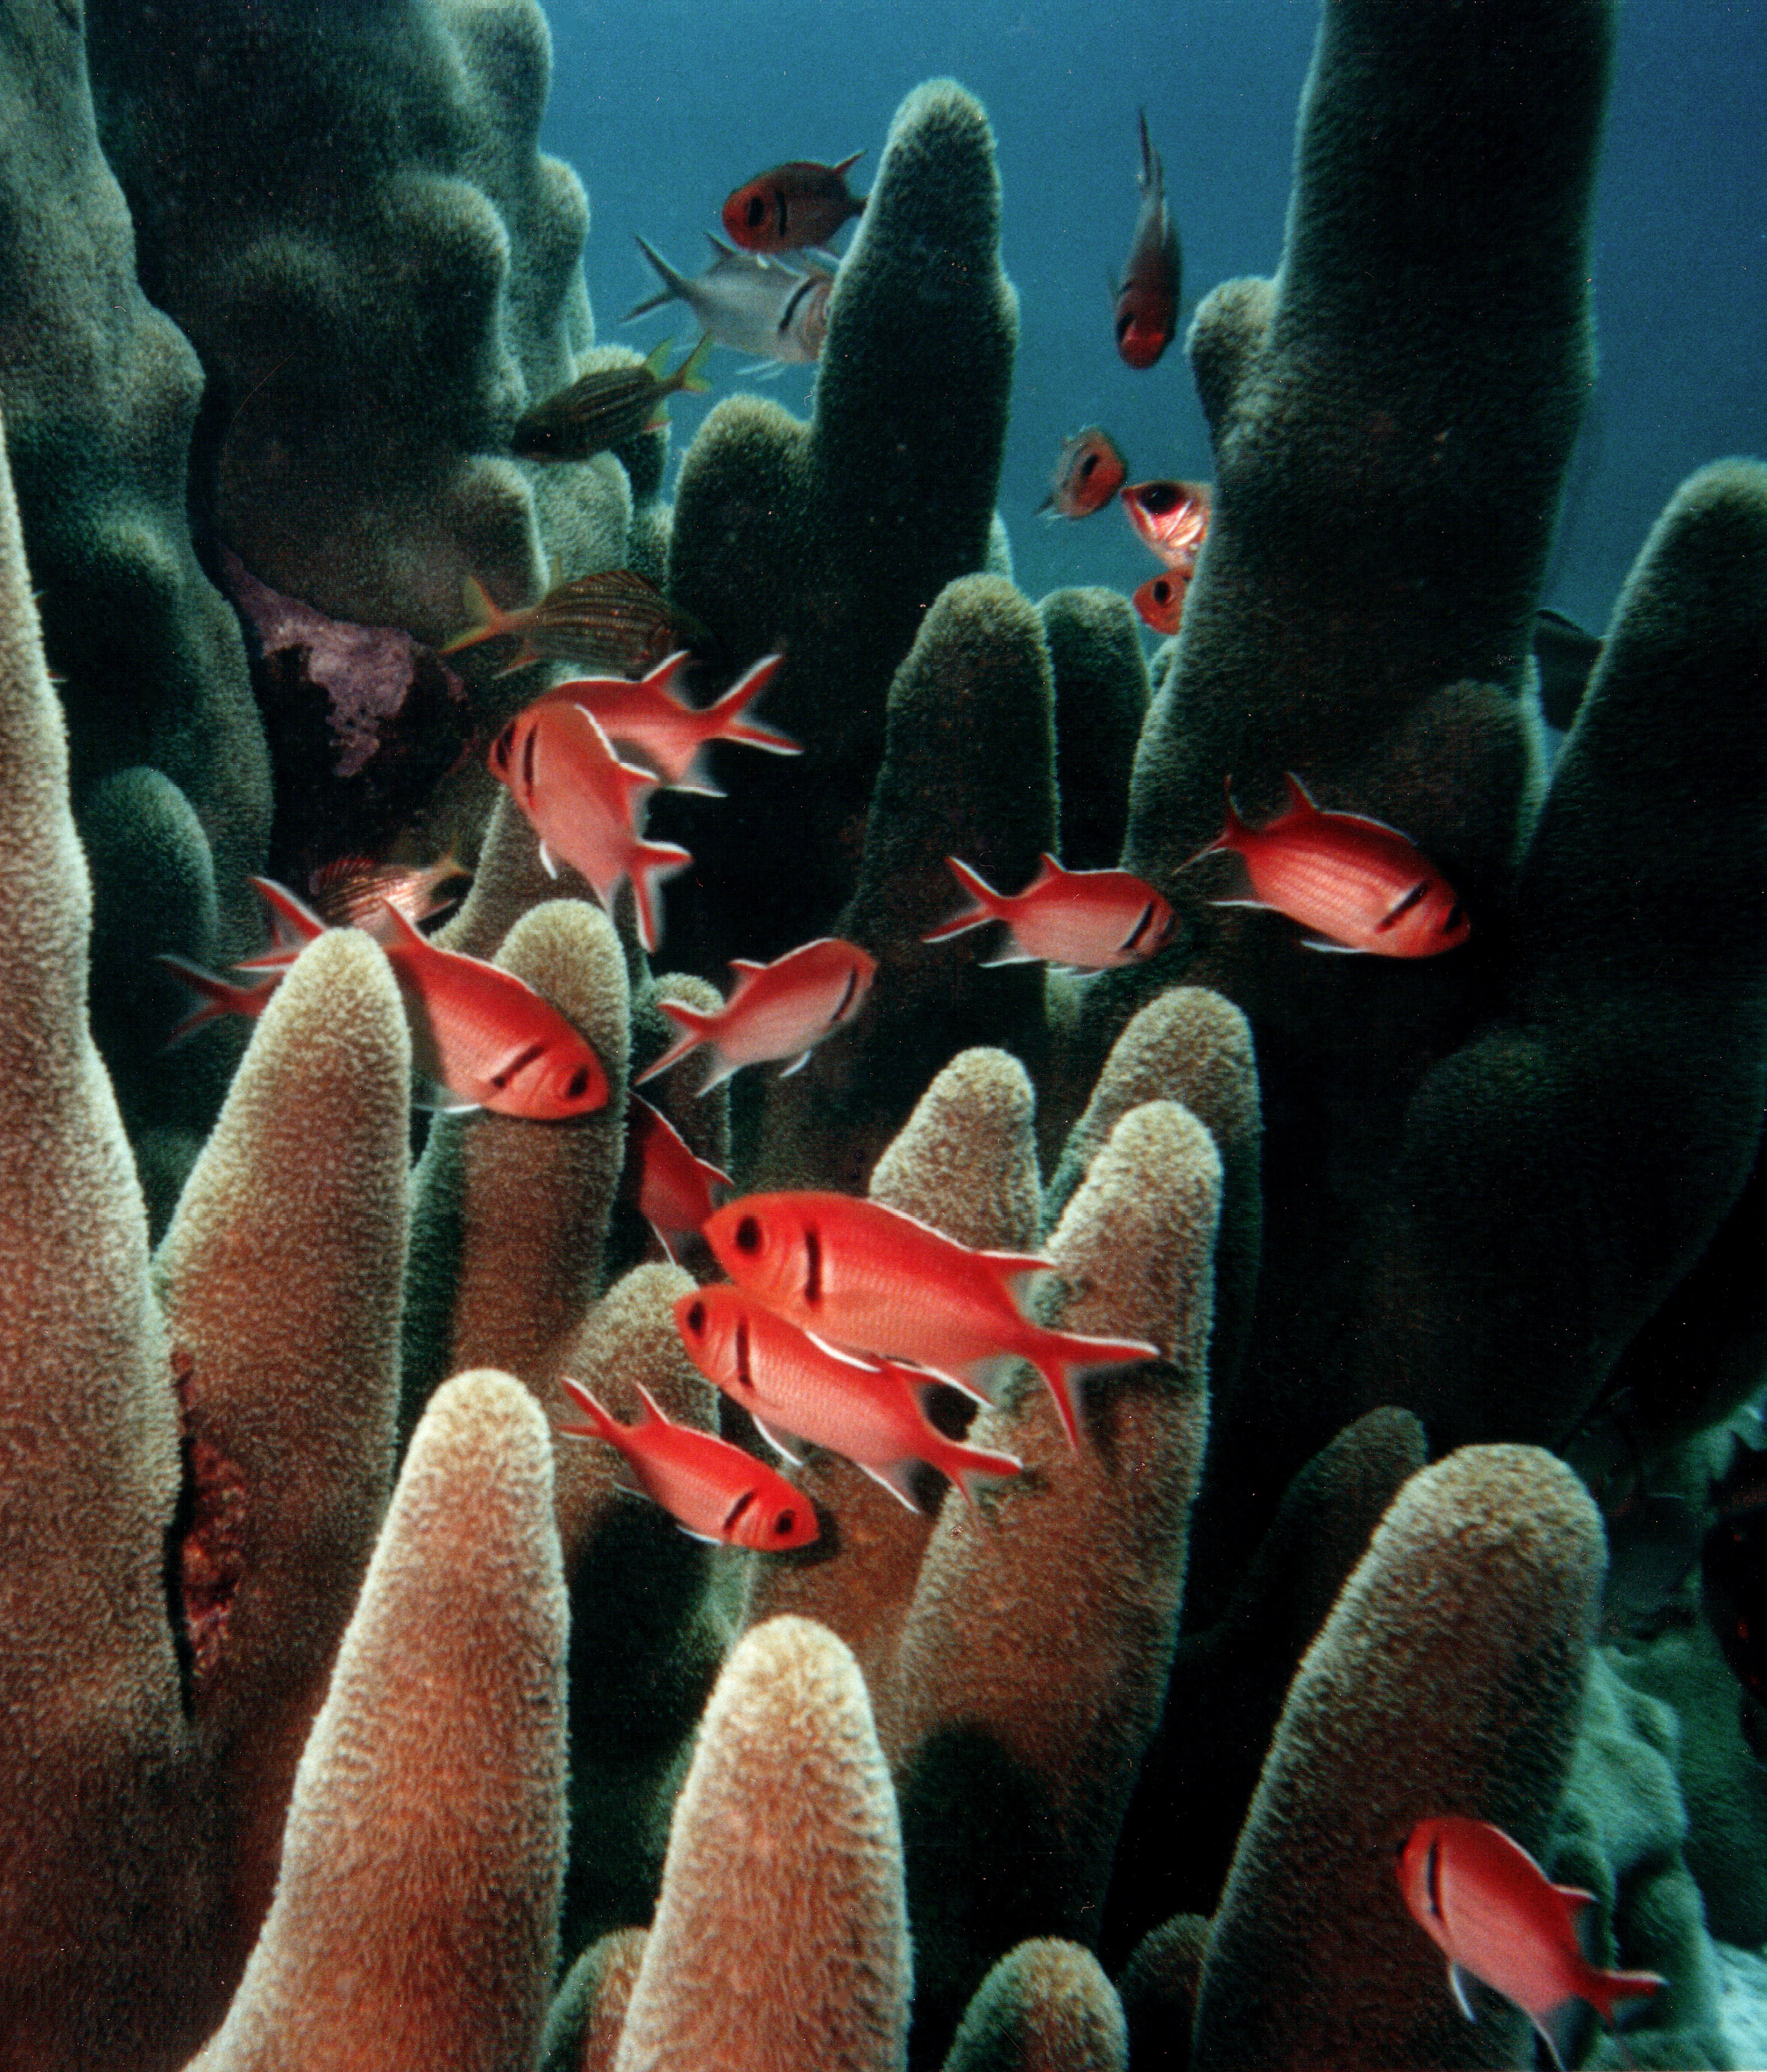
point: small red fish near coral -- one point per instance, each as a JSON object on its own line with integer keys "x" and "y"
{"x": 874, "y": 1280}
{"x": 1160, "y": 600}
{"x": 478, "y": 1031}
{"x": 615, "y": 619}
{"x": 649, "y": 719}
{"x": 783, "y": 1009}
{"x": 674, "y": 1186}
{"x": 349, "y": 892}
{"x": 218, "y": 996}
{"x": 1088, "y": 473}
{"x": 1090, "y": 920}
{"x": 789, "y": 1381}
{"x": 790, "y": 206}
{"x": 711, "y": 1488}
{"x": 1485, "y": 1903}
{"x": 1146, "y": 302}
{"x": 1171, "y": 518}
{"x": 1360, "y": 884}
{"x": 582, "y": 802}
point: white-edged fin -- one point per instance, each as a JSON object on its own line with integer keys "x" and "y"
{"x": 1015, "y": 953}
{"x": 1253, "y": 905}
{"x": 797, "y": 1064}
{"x": 1326, "y": 944}
{"x": 431, "y": 1094}
{"x": 989, "y": 1374}
{"x": 774, "y": 1441}
{"x": 668, "y": 1250}
{"x": 894, "y": 1478}
{"x": 762, "y": 370}
{"x": 1565, "y": 2029}
{"x": 1459, "y": 1979}
{"x": 548, "y": 863}
{"x": 705, "y": 1539}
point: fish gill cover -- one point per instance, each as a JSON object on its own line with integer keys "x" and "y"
{"x": 355, "y": 1715}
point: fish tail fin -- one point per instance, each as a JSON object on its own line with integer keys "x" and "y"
{"x": 218, "y": 996}
{"x": 601, "y": 1426}
{"x": 652, "y": 862}
{"x": 673, "y": 283}
{"x": 689, "y": 375}
{"x": 1605, "y": 1990}
{"x": 985, "y": 903}
{"x": 696, "y": 1026}
{"x": 1061, "y": 1357}
{"x": 734, "y": 721}
{"x": 486, "y": 618}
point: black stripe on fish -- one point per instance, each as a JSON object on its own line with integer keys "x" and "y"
{"x": 812, "y": 1264}
{"x": 1432, "y": 1878}
{"x": 1141, "y": 928}
{"x": 744, "y": 1373}
{"x": 1403, "y": 905}
{"x": 500, "y": 1080}
{"x": 846, "y": 998}
{"x": 796, "y": 296}
{"x": 736, "y": 1510}
{"x": 528, "y": 759}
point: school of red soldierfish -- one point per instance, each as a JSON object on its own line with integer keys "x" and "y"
{"x": 843, "y": 1317}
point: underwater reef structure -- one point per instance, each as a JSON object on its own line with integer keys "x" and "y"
{"x": 360, "y": 1719}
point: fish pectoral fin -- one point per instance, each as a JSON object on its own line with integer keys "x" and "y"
{"x": 1460, "y": 1980}
{"x": 548, "y": 863}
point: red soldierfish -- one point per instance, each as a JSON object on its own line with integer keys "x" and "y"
{"x": 674, "y": 1186}
{"x": 1088, "y": 474}
{"x": 1147, "y": 303}
{"x": 710, "y": 1488}
{"x": 790, "y": 206}
{"x": 789, "y": 1381}
{"x": 1160, "y": 600}
{"x": 650, "y": 720}
{"x": 1483, "y": 1900}
{"x": 783, "y": 1009}
{"x": 875, "y": 1280}
{"x": 1090, "y": 920}
{"x": 582, "y": 802}
{"x": 479, "y": 1031}
{"x": 1171, "y": 518}
{"x": 1360, "y": 884}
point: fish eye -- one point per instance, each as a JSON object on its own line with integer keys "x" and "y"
{"x": 1087, "y": 466}
{"x": 1164, "y": 589}
{"x": 748, "y": 1235}
{"x": 578, "y": 1085}
{"x": 783, "y": 1523}
{"x": 696, "y": 1318}
{"x": 1159, "y": 497}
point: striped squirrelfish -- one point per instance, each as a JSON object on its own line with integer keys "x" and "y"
{"x": 783, "y": 1009}
{"x": 649, "y": 719}
{"x": 350, "y": 892}
{"x": 789, "y": 1381}
{"x": 711, "y": 1488}
{"x": 1360, "y": 885}
{"x": 1496, "y": 1917}
{"x": 749, "y": 303}
{"x": 1146, "y": 302}
{"x": 582, "y": 802}
{"x": 616, "y": 618}
{"x": 674, "y": 1186}
{"x": 875, "y": 1281}
{"x": 606, "y": 407}
{"x": 1171, "y": 518}
{"x": 800, "y": 202}
{"x": 1089, "y": 471}
{"x": 1089, "y": 920}
{"x": 477, "y": 1031}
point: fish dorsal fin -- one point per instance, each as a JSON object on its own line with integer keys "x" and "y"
{"x": 406, "y": 935}
{"x": 655, "y": 359}
{"x": 1300, "y": 806}
{"x": 852, "y": 159}
{"x": 1579, "y": 1918}
{"x": 1048, "y": 872}
{"x": 1013, "y": 1269}
{"x": 662, "y": 679}
{"x": 747, "y": 971}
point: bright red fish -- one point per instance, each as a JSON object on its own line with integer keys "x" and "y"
{"x": 790, "y": 206}
{"x": 1171, "y": 518}
{"x": 583, "y": 803}
{"x": 1485, "y": 1903}
{"x": 1360, "y": 884}
{"x": 1160, "y": 600}
{"x": 1088, "y": 473}
{"x": 783, "y": 1009}
{"x": 874, "y": 1280}
{"x": 710, "y": 1488}
{"x": 1089, "y": 920}
{"x": 650, "y": 719}
{"x": 674, "y": 1186}
{"x": 789, "y": 1381}
{"x": 1147, "y": 303}
{"x": 218, "y": 996}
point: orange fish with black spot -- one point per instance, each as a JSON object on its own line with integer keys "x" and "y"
{"x": 1160, "y": 600}
{"x": 1089, "y": 471}
{"x": 1086, "y": 920}
{"x": 788, "y": 206}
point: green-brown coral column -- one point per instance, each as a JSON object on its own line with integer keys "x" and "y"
{"x": 780, "y": 1937}
{"x": 1449, "y": 1680}
{"x": 831, "y": 540}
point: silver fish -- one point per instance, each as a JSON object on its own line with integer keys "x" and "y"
{"x": 747, "y": 301}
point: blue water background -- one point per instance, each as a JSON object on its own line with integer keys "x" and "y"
{"x": 663, "y": 107}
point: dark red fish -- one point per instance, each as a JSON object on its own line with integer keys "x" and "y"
{"x": 1171, "y": 518}
{"x": 674, "y": 1186}
{"x": 1160, "y": 600}
{"x": 1088, "y": 474}
{"x": 1493, "y": 1913}
{"x": 1360, "y": 884}
{"x": 791, "y": 206}
{"x": 1146, "y": 302}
